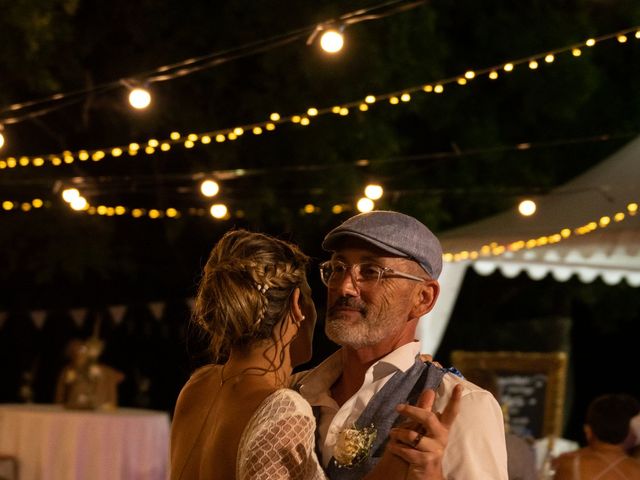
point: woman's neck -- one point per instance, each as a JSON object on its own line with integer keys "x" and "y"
{"x": 264, "y": 365}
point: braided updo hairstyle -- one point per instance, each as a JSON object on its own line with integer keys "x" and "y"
{"x": 246, "y": 288}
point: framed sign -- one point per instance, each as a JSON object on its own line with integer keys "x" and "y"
{"x": 530, "y": 386}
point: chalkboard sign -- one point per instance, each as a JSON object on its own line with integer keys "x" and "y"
{"x": 529, "y": 385}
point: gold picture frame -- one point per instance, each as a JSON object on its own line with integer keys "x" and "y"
{"x": 527, "y": 378}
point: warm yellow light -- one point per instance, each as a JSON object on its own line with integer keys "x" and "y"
{"x": 68, "y": 158}
{"x": 171, "y": 212}
{"x": 38, "y": 162}
{"x": 394, "y": 100}
{"x": 549, "y": 58}
{"x": 270, "y": 127}
{"x": 304, "y": 121}
{"x": 618, "y": 217}
{"x": 120, "y": 210}
{"x": 153, "y": 143}
{"x": 633, "y": 208}
{"x": 493, "y": 75}
{"x": 139, "y": 98}
{"x": 1, "y": 140}
{"x": 116, "y": 152}
{"x": 527, "y": 208}
{"x": 604, "y": 221}
{"x": 220, "y": 138}
{"x": 508, "y": 67}
{"x": 238, "y": 131}
{"x": 257, "y": 130}
{"x": 153, "y": 213}
{"x": 312, "y": 112}
{"x": 374, "y": 191}
{"x": 188, "y": 144}
{"x": 37, "y": 203}
{"x": 274, "y": 117}
{"x": 192, "y": 137}
{"x": 218, "y": 210}
{"x": 344, "y": 111}
{"x": 369, "y": 99}
{"x": 447, "y": 257}
{"x": 405, "y": 97}
{"x": 462, "y": 81}
{"x": 7, "y": 205}
{"x": 565, "y": 232}
{"x": 149, "y": 150}
{"x": 637, "y": 35}
{"x": 55, "y": 161}
{"x": 336, "y": 109}
{"x": 336, "y": 209}
{"x": 24, "y": 161}
{"x": 533, "y": 64}
{"x": 309, "y": 208}
{"x": 590, "y": 43}
{"x": 622, "y": 38}
{"x": 101, "y": 209}
{"x": 209, "y": 188}
{"x": 576, "y": 52}
{"x": 97, "y": 156}
{"x": 296, "y": 118}
{"x": 134, "y": 147}
{"x": 79, "y": 203}
{"x": 470, "y": 75}
{"x": 332, "y": 41}
{"x": 174, "y": 136}
{"x": 365, "y": 205}
{"x": 137, "y": 212}
{"x": 363, "y": 107}
{"x": 427, "y": 88}
{"x": 438, "y": 89}
{"x": 165, "y": 147}
{"x": 205, "y": 139}
{"x": 70, "y": 194}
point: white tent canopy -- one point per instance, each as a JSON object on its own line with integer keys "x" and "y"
{"x": 610, "y": 252}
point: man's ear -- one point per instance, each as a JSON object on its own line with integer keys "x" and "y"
{"x": 426, "y": 296}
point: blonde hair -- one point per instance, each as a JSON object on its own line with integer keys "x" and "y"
{"x": 245, "y": 289}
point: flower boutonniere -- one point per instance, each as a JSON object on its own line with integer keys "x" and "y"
{"x": 353, "y": 445}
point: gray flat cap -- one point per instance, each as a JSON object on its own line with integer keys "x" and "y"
{"x": 393, "y": 232}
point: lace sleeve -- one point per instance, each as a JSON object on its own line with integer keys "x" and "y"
{"x": 278, "y": 443}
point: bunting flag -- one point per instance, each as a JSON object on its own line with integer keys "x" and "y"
{"x": 79, "y": 316}
{"x": 117, "y": 313}
{"x": 38, "y": 317}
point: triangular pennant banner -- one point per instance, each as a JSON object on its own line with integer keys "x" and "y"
{"x": 38, "y": 317}
{"x": 117, "y": 313}
{"x": 78, "y": 315}
{"x": 157, "y": 309}
{"x": 191, "y": 302}
{"x": 3, "y": 318}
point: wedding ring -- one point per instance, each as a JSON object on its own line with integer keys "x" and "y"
{"x": 416, "y": 441}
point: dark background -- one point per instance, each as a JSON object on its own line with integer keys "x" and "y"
{"x": 55, "y": 259}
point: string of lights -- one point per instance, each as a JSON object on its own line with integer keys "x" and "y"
{"x": 140, "y": 81}
{"x": 188, "y": 141}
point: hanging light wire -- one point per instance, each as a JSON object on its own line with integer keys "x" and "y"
{"x": 195, "y": 64}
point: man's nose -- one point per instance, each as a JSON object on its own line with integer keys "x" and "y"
{"x": 347, "y": 286}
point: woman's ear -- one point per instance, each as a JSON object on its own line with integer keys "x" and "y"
{"x": 296, "y": 307}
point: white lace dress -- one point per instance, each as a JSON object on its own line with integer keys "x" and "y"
{"x": 278, "y": 442}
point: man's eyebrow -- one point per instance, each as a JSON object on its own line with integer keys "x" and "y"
{"x": 364, "y": 259}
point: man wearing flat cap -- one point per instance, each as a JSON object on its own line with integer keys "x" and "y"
{"x": 381, "y": 278}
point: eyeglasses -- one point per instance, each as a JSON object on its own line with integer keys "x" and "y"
{"x": 332, "y": 273}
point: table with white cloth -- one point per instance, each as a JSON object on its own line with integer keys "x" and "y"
{"x": 53, "y": 443}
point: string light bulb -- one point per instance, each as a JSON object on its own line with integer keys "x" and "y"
{"x": 219, "y": 210}
{"x": 70, "y": 194}
{"x": 365, "y": 205}
{"x": 139, "y": 98}
{"x": 79, "y": 203}
{"x": 332, "y": 41}
{"x": 209, "y": 188}
{"x": 1, "y": 136}
{"x": 527, "y": 208}
{"x": 373, "y": 191}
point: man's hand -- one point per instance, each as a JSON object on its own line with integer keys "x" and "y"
{"x": 422, "y": 442}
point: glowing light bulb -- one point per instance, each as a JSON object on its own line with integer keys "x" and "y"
{"x": 1, "y": 139}
{"x": 209, "y": 188}
{"x": 365, "y": 205}
{"x": 139, "y": 98}
{"x": 79, "y": 203}
{"x": 332, "y": 41}
{"x": 527, "y": 208}
{"x": 219, "y": 210}
{"x": 70, "y": 194}
{"x": 373, "y": 191}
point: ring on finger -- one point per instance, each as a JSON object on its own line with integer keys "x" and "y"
{"x": 416, "y": 441}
